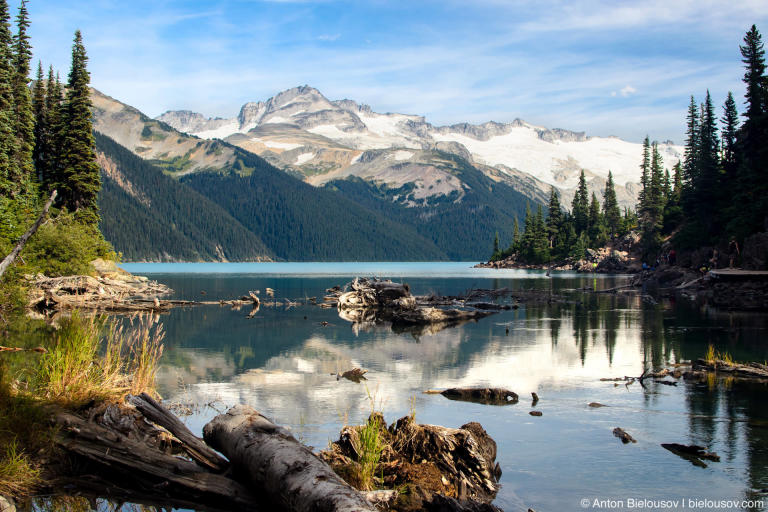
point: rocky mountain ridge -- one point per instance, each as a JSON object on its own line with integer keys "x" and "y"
{"x": 301, "y": 131}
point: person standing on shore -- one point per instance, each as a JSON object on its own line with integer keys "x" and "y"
{"x": 733, "y": 252}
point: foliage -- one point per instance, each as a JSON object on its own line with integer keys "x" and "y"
{"x": 720, "y": 190}
{"x": 65, "y": 246}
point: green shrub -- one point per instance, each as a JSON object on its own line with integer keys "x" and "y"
{"x": 65, "y": 246}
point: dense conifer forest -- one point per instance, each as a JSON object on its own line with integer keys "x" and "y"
{"x": 46, "y": 144}
{"x": 299, "y": 222}
{"x": 162, "y": 219}
{"x": 718, "y": 193}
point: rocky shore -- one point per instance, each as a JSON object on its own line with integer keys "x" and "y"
{"x": 619, "y": 257}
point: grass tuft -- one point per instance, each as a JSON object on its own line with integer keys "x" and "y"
{"x": 368, "y": 446}
{"x": 18, "y": 476}
{"x": 92, "y": 359}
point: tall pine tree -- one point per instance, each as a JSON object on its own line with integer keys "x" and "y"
{"x": 9, "y": 176}
{"x": 611, "y": 211}
{"x": 80, "y": 172}
{"x": 24, "y": 119}
{"x": 580, "y": 205}
{"x": 39, "y": 153}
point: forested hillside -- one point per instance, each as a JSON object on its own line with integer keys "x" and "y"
{"x": 299, "y": 222}
{"x": 147, "y": 215}
{"x": 462, "y": 229}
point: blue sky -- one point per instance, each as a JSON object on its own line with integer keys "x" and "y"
{"x": 604, "y": 67}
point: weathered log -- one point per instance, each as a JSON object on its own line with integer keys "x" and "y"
{"x": 623, "y": 435}
{"x": 124, "y": 458}
{"x": 490, "y": 396}
{"x": 193, "y": 445}
{"x": 280, "y": 467}
{"x": 8, "y": 260}
{"x": 693, "y": 450}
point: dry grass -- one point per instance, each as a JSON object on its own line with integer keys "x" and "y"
{"x": 91, "y": 358}
{"x": 18, "y": 476}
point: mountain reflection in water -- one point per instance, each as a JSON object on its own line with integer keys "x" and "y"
{"x": 283, "y": 362}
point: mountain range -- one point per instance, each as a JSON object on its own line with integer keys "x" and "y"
{"x": 301, "y": 131}
{"x": 300, "y": 177}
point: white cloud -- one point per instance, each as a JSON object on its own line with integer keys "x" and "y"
{"x": 328, "y": 37}
{"x": 627, "y": 90}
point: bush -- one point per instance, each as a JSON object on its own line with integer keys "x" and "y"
{"x": 65, "y": 246}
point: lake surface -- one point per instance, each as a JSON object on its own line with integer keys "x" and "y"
{"x": 281, "y": 361}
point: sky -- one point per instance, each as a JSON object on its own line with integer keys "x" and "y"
{"x": 617, "y": 68}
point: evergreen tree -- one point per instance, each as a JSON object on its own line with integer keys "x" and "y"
{"x": 554, "y": 217}
{"x": 730, "y": 121}
{"x": 496, "y": 250}
{"x": 24, "y": 119}
{"x": 580, "y": 205}
{"x": 8, "y": 169}
{"x": 611, "y": 211}
{"x": 515, "y": 235}
{"x": 690, "y": 160}
{"x": 705, "y": 188}
{"x": 645, "y": 171}
{"x": 51, "y": 176}
{"x": 677, "y": 184}
{"x": 40, "y": 111}
{"x": 596, "y": 227}
{"x": 81, "y": 184}
{"x": 753, "y": 161}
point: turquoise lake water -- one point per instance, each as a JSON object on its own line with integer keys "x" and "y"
{"x": 281, "y": 361}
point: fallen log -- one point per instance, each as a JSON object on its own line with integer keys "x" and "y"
{"x": 490, "y": 396}
{"x": 692, "y": 453}
{"x": 192, "y": 445}
{"x": 279, "y": 467}
{"x": 122, "y": 456}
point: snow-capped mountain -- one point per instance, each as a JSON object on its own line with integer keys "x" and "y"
{"x": 301, "y": 130}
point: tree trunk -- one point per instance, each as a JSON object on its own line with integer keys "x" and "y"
{"x": 280, "y": 467}
{"x": 31, "y": 231}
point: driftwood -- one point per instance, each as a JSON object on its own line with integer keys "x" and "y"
{"x": 8, "y": 260}
{"x": 623, "y": 435}
{"x": 299, "y": 481}
{"x": 427, "y": 461}
{"x": 490, "y": 396}
{"x": 127, "y": 450}
{"x": 692, "y": 453}
{"x": 192, "y": 445}
{"x": 355, "y": 375}
{"x": 745, "y": 371}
